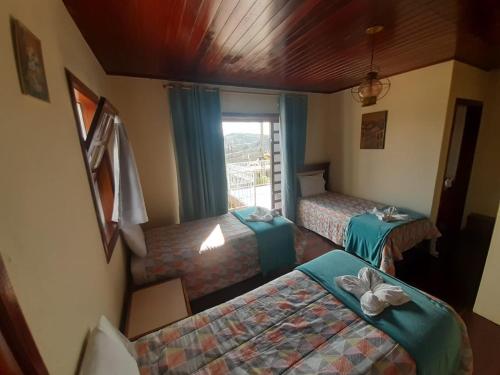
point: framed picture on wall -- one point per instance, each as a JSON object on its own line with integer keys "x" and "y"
{"x": 373, "y": 130}
{"x": 29, "y": 59}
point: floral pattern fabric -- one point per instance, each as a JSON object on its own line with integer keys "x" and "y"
{"x": 329, "y": 213}
{"x": 289, "y": 325}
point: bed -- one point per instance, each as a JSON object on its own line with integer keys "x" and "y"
{"x": 291, "y": 325}
{"x": 328, "y": 215}
{"x": 210, "y": 254}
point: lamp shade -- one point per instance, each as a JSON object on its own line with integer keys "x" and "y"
{"x": 370, "y": 89}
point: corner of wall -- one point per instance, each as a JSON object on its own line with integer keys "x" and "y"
{"x": 467, "y": 82}
{"x": 445, "y": 140}
{"x": 488, "y": 297}
{"x": 316, "y": 141}
{"x": 144, "y": 107}
{"x": 417, "y": 106}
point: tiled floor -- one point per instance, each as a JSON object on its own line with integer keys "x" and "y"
{"x": 315, "y": 244}
{"x": 484, "y": 337}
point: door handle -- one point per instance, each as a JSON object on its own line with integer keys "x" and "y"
{"x": 448, "y": 182}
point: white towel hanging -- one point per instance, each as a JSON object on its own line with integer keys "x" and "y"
{"x": 128, "y": 205}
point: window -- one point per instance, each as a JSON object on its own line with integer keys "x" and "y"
{"x": 94, "y": 119}
{"x": 253, "y": 161}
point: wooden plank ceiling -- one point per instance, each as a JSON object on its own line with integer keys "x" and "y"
{"x": 305, "y": 45}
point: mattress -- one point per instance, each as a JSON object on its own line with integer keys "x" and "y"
{"x": 328, "y": 215}
{"x": 209, "y": 254}
{"x": 289, "y": 325}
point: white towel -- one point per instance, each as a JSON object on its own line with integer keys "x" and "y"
{"x": 261, "y": 214}
{"x": 373, "y": 294}
{"x": 128, "y": 206}
{"x": 389, "y": 214}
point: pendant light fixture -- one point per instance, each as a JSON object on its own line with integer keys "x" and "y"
{"x": 371, "y": 88}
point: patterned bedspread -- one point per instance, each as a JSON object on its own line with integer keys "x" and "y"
{"x": 328, "y": 215}
{"x": 291, "y": 324}
{"x": 210, "y": 254}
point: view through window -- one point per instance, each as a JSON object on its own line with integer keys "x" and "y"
{"x": 252, "y": 163}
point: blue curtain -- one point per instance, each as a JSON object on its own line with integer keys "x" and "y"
{"x": 293, "y": 122}
{"x": 199, "y": 143}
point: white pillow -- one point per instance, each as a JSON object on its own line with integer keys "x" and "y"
{"x": 105, "y": 326}
{"x": 105, "y": 356}
{"x": 134, "y": 237}
{"x": 311, "y": 184}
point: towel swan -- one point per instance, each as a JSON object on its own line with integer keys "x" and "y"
{"x": 262, "y": 214}
{"x": 373, "y": 294}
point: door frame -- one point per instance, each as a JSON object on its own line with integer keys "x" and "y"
{"x": 20, "y": 345}
{"x": 467, "y": 103}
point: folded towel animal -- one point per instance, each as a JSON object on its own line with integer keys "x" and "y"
{"x": 373, "y": 294}
{"x": 262, "y": 214}
{"x": 389, "y": 214}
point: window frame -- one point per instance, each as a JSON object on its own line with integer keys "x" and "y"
{"x": 108, "y": 241}
{"x": 276, "y": 195}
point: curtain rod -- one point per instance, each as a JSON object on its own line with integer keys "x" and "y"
{"x": 188, "y": 87}
{"x": 250, "y": 92}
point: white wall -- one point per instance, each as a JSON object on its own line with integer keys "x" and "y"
{"x": 243, "y": 102}
{"x": 317, "y": 128}
{"x": 488, "y": 298}
{"x": 471, "y": 83}
{"x": 404, "y": 173}
{"x": 484, "y": 187}
{"x": 49, "y": 237}
{"x": 144, "y": 108}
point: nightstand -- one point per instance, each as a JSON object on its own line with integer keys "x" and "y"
{"x": 155, "y": 306}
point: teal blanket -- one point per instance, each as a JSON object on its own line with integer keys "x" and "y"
{"x": 366, "y": 235}
{"x": 274, "y": 239}
{"x": 424, "y": 327}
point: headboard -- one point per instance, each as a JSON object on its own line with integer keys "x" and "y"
{"x": 325, "y": 167}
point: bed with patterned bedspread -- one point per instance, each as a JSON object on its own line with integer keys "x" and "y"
{"x": 291, "y": 325}
{"x": 210, "y": 254}
{"x": 328, "y": 214}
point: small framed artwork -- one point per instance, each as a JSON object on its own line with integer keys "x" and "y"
{"x": 29, "y": 59}
{"x": 373, "y": 130}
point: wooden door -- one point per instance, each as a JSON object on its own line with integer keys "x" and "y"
{"x": 18, "y": 352}
{"x": 459, "y": 166}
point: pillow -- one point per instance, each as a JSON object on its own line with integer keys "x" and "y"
{"x": 108, "y": 328}
{"x": 312, "y": 184}
{"x": 105, "y": 355}
{"x": 310, "y": 173}
{"x": 134, "y": 237}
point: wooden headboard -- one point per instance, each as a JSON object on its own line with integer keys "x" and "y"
{"x": 325, "y": 167}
